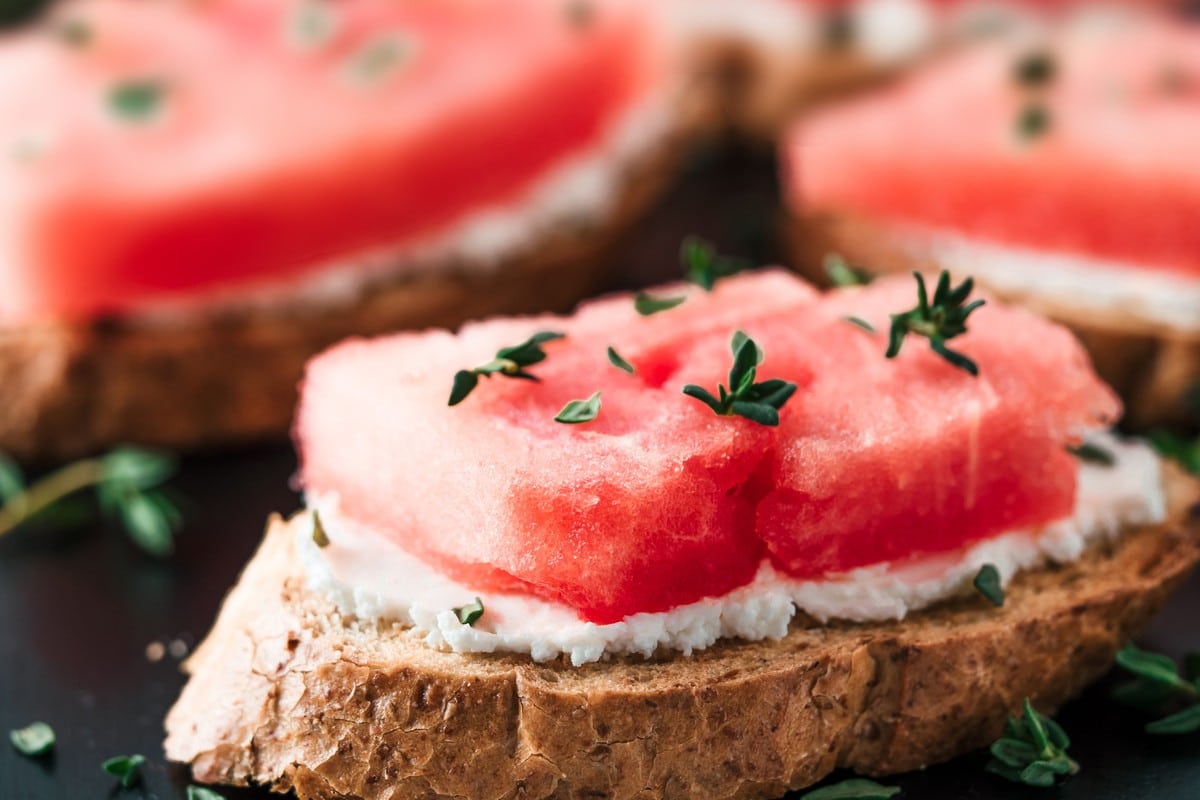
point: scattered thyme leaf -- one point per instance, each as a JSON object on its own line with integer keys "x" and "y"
{"x": 311, "y": 25}
{"x": 615, "y": 359}
{"x": 987, "y": 581}
{"x": 1176, "y": 447}
{"x": 319, "y": 536}
{"x": 578, "y": 411}
{"x": 858, "y": 322}
{"x": 127, "y": 768}
{"x": 1035, "y": 69}
{"x": 647, "y": 304}
{"x": 1093, "y": 454}
{"x": 1158, "y": 687}
{"x": 470, "y": 614}
{"x": 579, "y": 13}
{"x": 841, "y": 274}
{"x": 1033, "y": 121}
{"x": 378, "y": 59}
{"x": 1032, "y": 751}
{"x": 509, "y": 362}
{"x": 74, "y": 32}
{"x": 137, "y": 100}
{"x": 943, "y": 319}
{"x": 702, "y": 264}
{"x": 34, "y": 740}
{"x": 758, "y": 402}
{"x": 853, "y": 789}
{"x": 195, "y": 792}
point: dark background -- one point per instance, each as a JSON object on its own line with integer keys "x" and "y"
{"x": 79, "y": 608}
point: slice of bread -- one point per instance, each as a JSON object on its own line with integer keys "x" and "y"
{"x": 1154, "y": 366}
{"x": 287, "y": 693}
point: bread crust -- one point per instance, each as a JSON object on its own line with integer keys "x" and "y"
{"x": 286, "y": 693}
{"x": 1154, "y": 367}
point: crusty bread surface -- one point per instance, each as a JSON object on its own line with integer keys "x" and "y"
{"x": 1154, "y": 367}
{"x": 287, "y": 693}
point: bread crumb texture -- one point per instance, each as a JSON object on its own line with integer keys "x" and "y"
{"x": 287, "y": 693}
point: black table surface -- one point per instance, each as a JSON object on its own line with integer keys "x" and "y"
{"x": 81, "y": 608}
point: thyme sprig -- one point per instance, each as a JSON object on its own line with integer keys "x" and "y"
{"x": 758, "y": 402}
{"x": 509, "y": 362}
{"x": 704, "y": 266}
{"x": 944, "y": 318}
{"x": 1158, "y": 686}
{"x": 126, "y": 483}
{"x": 1032, "y": 751}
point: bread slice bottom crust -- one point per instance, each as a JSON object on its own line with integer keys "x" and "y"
{"x": 1154, "y": 368}
{"x": 287, "y": 693}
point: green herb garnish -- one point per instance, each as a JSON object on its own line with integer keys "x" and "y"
{"x": 195, "y": 792}
{"x": 127, "y": 768}
{"x": 509, "y": 362}
{"x": 1032, "y": 121}
{"x": 378, "y": 59}
{"x": 944, "y": 319}
{"x": 852, "y": 789}
{"x": 1093, "y": 454}
{"x": 74, "y": 32}
{"x": 470, "y": 614}
{"x": 840, "y": 273}
{"x": 125, "y": 482}
{"x": 1032, "y": 751}
{"x": 702, "y": 264}
{"x": 319, "y": 536}
{"x": 859, "y": 322}
{"x": 311, "y": 25}
{"x": 647, "y": 304}
{"x": 580, "y": 13}
{"x": 577, "y": 411}
{"x": 1176, "y": 447}
{"x": 136, "y": 100}
{"x": 987, "y": 581}
{"x": 618, "y": 362}
{"x": 1158, "y": 686}
{"x": 1034, "y": 69}
{"x": 33, "y": 741}
{"x": 758, "y": 402}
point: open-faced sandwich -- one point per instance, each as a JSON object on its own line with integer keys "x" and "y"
{"x": 1059, "y": 171}
{"x": 689, "y": 544}
{"x": 199, "y": 196}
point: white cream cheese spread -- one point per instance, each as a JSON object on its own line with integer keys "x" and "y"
{"x": 368, "y": 577}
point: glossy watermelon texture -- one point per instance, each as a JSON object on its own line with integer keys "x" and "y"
{"x": 659, "y": 501}
{"x": 158, "y": 151}
{"x": 1113, "y": 175}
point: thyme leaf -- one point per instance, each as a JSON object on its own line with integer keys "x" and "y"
{"x": 577, "y": 411}
{"x": 1159, "y": 687}
{"x": 1032, "y": 751}
{"x": 858, "y": 322}
{"x": 319, "y": 536}
{"x": 1033, "y": 121}
{"x": 943, "y": 319}
{"x": 702, "y": 264}
{"x": 987, "y": 581}
{"x": 33, "y": 740}
{"x": 758, "y": 402}
{"x": 841, "y": 274}
{"x": 1035, "y": 69}
{"x": 470, "y": 613}
{"x": 647, "y": 304}
{"x": 615, "y": 359}
{"x": 1093, "y": 454}
{"x": 127, "y": 768}
{"x": 137, "y": 100}
{"x": 852, "y": 789}
{"x": 195, "y": 792}
{"x": 509, "y": 362}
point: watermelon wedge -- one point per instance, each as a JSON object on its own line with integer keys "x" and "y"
{"x": 186, "y": 149}
{"x": 660, "y": 502}
{"x": 1110, "y": 176}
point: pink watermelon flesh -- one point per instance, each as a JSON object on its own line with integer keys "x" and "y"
{"x": 269, "y": 159}
{"x": 660, "y": 502}
{"x": 1113, "y": 177}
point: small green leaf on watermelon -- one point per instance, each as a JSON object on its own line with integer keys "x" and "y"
{"x": 859, "y": 322}
{"x": 378, "y": 59}
{"x": 319, "y": 536}
{"x": 1033, "y": 120}
{"x": 615, "y": 359}
{"x": 853, "y": 789}
{"x": 703, "y": 266}
{"x": 1035, "y": 69}
{"x": 647, "y": 304}
{"x": 127, "y": 768}
{"x": 509, "y": 362}
{"x": 758, "y": 402}
{"x": 34, "y": 740}
{"x": 470, "y": 614}
{"x": 939, "y": 321}
{"x": 1093, "y": 454}
{"x": 311, "y": 25}
{"x": 138, "y": 100}
{"x": 578, "y": 411}
{"x": 74, "y": 32}
{"x": 987, "y": 581}
{"x": 841, "y": 274}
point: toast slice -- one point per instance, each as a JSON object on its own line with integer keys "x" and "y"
{"x": 287, "y": 693}
{"x": 1154, "y": 365}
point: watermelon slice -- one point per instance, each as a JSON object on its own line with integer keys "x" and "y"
{"x": 187, "y": 148}
{"x": 1111, "y": 177}
{"x": 660, "y": 502}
